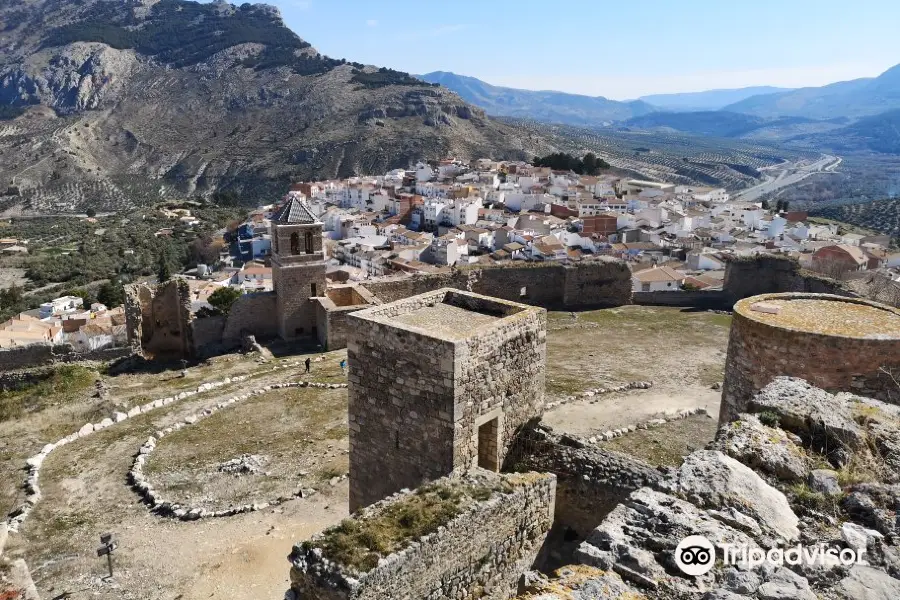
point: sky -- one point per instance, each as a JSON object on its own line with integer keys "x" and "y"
{"x": 621, "y": 49}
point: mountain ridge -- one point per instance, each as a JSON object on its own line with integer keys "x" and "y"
{"x": 856, "y": 98}
{"x": 705, "y": 100}
{"x": 117, "y": 108}
{"x": 547, "y": 105}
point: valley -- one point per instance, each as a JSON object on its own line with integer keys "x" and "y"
{"x": 787, "y": 174}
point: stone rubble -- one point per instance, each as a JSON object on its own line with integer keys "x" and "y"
{"x": 245, "y": 464}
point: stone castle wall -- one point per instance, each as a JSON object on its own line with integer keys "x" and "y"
{"x": 759, "y": 352}
{"x": 771, "y": 274}
{"x": 252, "y": 314}
{"x": 500, "y": 373}
{"x": 158, "y": 318}
{"x": 333, "y": 325}
{"x": 481, "y": 553}
{"x": 550, "y": 285}
{"x": 590, "y": 481}
{"x": 708, "y": 299}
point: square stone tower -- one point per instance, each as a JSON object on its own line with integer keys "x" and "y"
{"x": 298, "y": 268}
{"x": 439, "y": 382}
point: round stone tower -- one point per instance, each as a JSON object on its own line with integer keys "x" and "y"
{"x": 833, "y": 342}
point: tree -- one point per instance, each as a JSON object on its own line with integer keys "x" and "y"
{"x": 11, "y": 296}
{"x": 163, "y": 271}
{"x": 765, "y": 205}
{"x": 91, "y": 213}
{"x": 111, "y": 294}
{"x": 223, "y": 298}
{"x": 785, "y": 205}
{"x": 80, "y": 293}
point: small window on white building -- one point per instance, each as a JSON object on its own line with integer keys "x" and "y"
{"x": 523, "y": 293}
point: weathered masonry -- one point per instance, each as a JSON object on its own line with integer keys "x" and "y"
{"x": 496, "y": 534}
{"x": 439, "y": 382}
{"x": 298, "y": 269}
{"x": 158, "y": 318}
{"x": 834, "y": 342}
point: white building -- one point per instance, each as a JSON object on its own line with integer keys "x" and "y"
{"x": 657, "y": 279}
{"x": 61, "y": 306}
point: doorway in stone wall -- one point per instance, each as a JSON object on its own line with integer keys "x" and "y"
{"x": 489, "y": 445}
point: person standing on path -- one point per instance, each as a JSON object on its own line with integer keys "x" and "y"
{"x": 344, "y": 366}
{"x": 307, "y": 364}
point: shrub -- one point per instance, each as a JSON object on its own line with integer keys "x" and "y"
{"x": 769, "y": 418}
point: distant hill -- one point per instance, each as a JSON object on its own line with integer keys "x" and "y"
{"x": 854, "y": 99}
{"x": 708, "y": 100}
{"x": 726, "y": 124}
{"x": 879, "y": 133}
{"x": 553, "y": 107}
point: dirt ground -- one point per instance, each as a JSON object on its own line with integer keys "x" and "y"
{"x": 85, "y": 491}
{"x": 12, "y": 276}
{"x": 682, "y": 352}
{"x": 303, "y": 433}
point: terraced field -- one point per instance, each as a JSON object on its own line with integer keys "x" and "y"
{"x": 880, "y": 215}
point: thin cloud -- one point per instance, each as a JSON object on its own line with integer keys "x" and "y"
{"x": 299, "y": 4}
{"x": 372, "y": 23}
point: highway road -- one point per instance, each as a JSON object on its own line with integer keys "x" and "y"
{"x": 788, "y": 173}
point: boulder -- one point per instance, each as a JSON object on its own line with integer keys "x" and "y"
{"x": 866, "y": 583}
{"x": 857, "y": 537}
{"x": 741, "y": 582}
{"x": 762, "y": 448}
{"x": 813, "y": 414}
{"x": 86, "y": 429}
{"x": 784, "y": 584}
{"x": 824, "y": 481}
{"x": 710, "y": 479}
{"x": 638, "y": 538}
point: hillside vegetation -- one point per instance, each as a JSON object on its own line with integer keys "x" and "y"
{"x": 880, "y": 215}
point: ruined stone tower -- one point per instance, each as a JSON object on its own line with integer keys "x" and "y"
{"x": 298, "y": 268}
{"x": 439, "y": 383}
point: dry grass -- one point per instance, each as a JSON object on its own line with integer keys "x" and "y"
{"x": 359, "y": 543}
{"x": 633, "y": 343}
{"x": 668, "y": 444}
{"x": 298, "y": 429}
{"x": 63, "y": 385}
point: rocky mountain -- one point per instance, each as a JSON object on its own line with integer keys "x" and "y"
{"x": 549, "y": 106}
{"x": 109, "y": 103}
{"x": 707, "y": 100}
{"x": 854, "y": 99}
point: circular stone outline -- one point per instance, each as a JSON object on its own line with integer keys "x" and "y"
{"x": 141, "y": 485}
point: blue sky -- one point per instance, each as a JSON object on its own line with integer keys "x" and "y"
{"x": 620, "y": 49}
